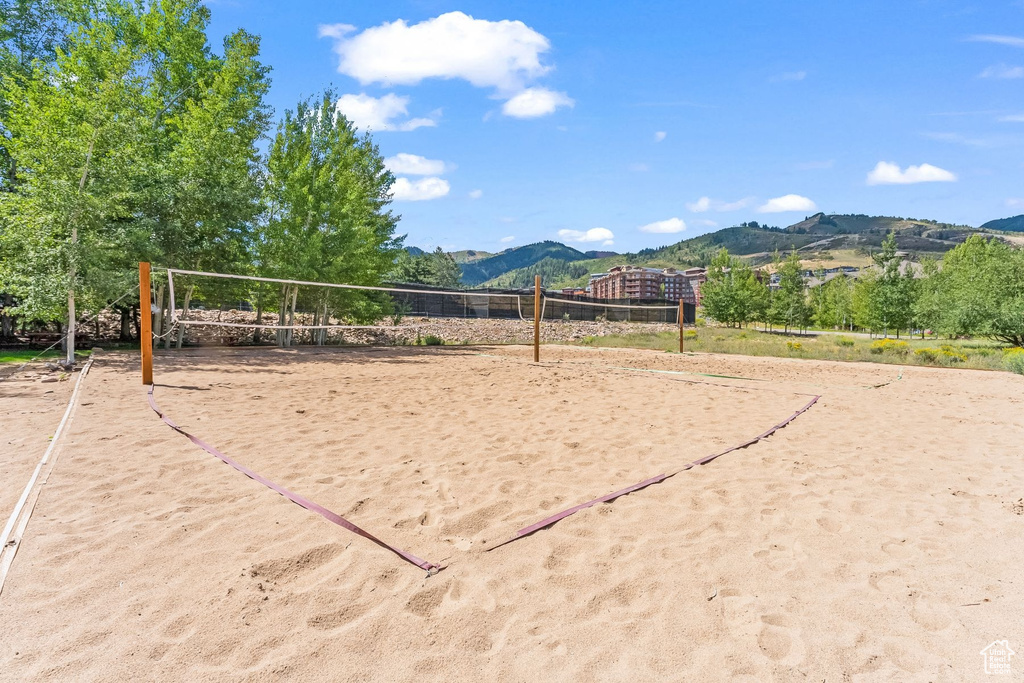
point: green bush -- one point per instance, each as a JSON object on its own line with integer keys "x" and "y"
{"x": 1014, "y": 360}
{"x": 843, "y": 341}
{"x": 950, "y": 355}
{"x": 690, "y": 334}
{"x": 927, "y": 356}
{"x": 431, "y": 340}
{"x": 899, "y": 348}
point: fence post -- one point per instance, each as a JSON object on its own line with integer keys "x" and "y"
{"x": 536, "y": 319}
{"x": 145, "y": 324}
{"x": 682, "y": 317}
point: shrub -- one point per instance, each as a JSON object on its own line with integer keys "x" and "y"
{"x": 431, "y": 340}
{"x": 926, "y": 355}
{"x": 1014, "y": 360}
{"x": 843, "y": 341}
{"x": 899, "y": 348}
{"x": 690, "y": 334}
{"x": 794, "y": 346}
{"x": 950, "y": 355}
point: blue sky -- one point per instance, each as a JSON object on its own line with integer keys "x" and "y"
{"x": 612, "y": 125}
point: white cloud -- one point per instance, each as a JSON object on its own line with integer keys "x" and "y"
{"x": 789, "y": 76}
{"x": 506, "y": 240}
{"x": 498, "y": 54}
{"x": 405, "y": 190}
{"x": 789, "y": 202}
{"x": 886, "y": 173}
{"x": 377, "y": 114}
{"x": 1002, "y": 72}
{"x": 534, "y": 102}
{"x": 1013, "y": 118}
{"x": 411, "y": 164}
{"x": 708, "y": 204}
{"x": 666, "y": 226}
{"x": 660, "y": 135}
{"x": 1012, "y": 41}
{"x": 602, "y": 235}
{"x": 476, "y": 194}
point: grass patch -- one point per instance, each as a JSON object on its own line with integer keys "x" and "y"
{"x": 975, "y": 354}
{"x": 22, "y": 355}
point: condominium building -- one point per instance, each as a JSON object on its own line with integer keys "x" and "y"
{"x": 637, "y": 282}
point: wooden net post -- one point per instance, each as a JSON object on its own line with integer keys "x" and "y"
{"x": 145, "y": 324}
{"x": 681, "y": 319}
{"x": 536, "y": 319}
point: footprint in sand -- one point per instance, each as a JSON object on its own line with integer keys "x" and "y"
{"x": 779, "y": 639}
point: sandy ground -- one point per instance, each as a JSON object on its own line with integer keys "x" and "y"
{"x": 879, "y": 536}
{"x": 30, "y": 410}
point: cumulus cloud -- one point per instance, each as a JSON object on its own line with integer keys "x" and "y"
{"x": 708, "y": 204}
{"x": 666, "y": 226}
{"x": 411, "y": 164}
{"x": 886, "y": 173}
{"x": 503, "y": 55}
{"x": 506, "y": 240}
{"x": 1002, "y": 72}
{"x": 534, "y": 102}
{"x": 500, "y": 54}
{"x": 602, "y": 235}
{"x": 379, "y": 113}
{"x": 476, "y": 194}
{"x": 405, "y": 190}
{"x": 1012, "y": 41}
{"x": 660, "y": 135}
{"x": 789, "y": 202}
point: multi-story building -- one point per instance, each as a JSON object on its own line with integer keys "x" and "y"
{"x": 637, "y": 282}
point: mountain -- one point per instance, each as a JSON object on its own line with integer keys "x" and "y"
{"x": 600, "y": 254}
{"x": 480, "y": 271}
{"x": 1012, "y": 224}
{"x": 470, "y": 255}
{"x": 823, "y": 240}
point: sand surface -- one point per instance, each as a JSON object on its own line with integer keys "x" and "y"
{"x": 30, "y": 410}
{"x": 879, "y": 536}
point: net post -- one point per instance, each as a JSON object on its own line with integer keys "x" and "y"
{"x": 681, "y": 319}
{"x": 145, "y": 324}
{"x": 536, "y": 319}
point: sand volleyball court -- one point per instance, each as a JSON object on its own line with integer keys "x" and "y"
{"x": 878, "y": 536}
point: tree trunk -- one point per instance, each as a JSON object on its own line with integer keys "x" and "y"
{"x": 158, "y": 317}
{"x": 281, "y": 312}
{"x": 259, "y": 317}
{"x": 126, "y": 326}
{"x": 291, "y": 314}
{"x": 184, "y": 313}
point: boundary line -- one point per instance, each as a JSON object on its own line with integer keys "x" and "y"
{"x": 10, "y": 539}
{"x": 558, "y": 516}
{"x": 301, "y": 501}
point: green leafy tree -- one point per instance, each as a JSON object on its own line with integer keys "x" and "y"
{"x": 327, "y": 219}
{"x": 893, "y": 294}
{"x": 789, "y": 302}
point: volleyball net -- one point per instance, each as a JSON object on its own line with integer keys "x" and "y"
{"x": 204, "y": 307}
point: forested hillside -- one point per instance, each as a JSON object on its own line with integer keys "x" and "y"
{"x": 477, "y": 272}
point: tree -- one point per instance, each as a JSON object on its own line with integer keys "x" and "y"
{"x": 893, "y": 294}
{"x": 437, "y": 268}
{"x": 789, "y": 302}
{"x": 326, "y": 214}
{"x": 832, "y": 303}
{"x": 134, "y": 143}
{"x": 980, "y": 291}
